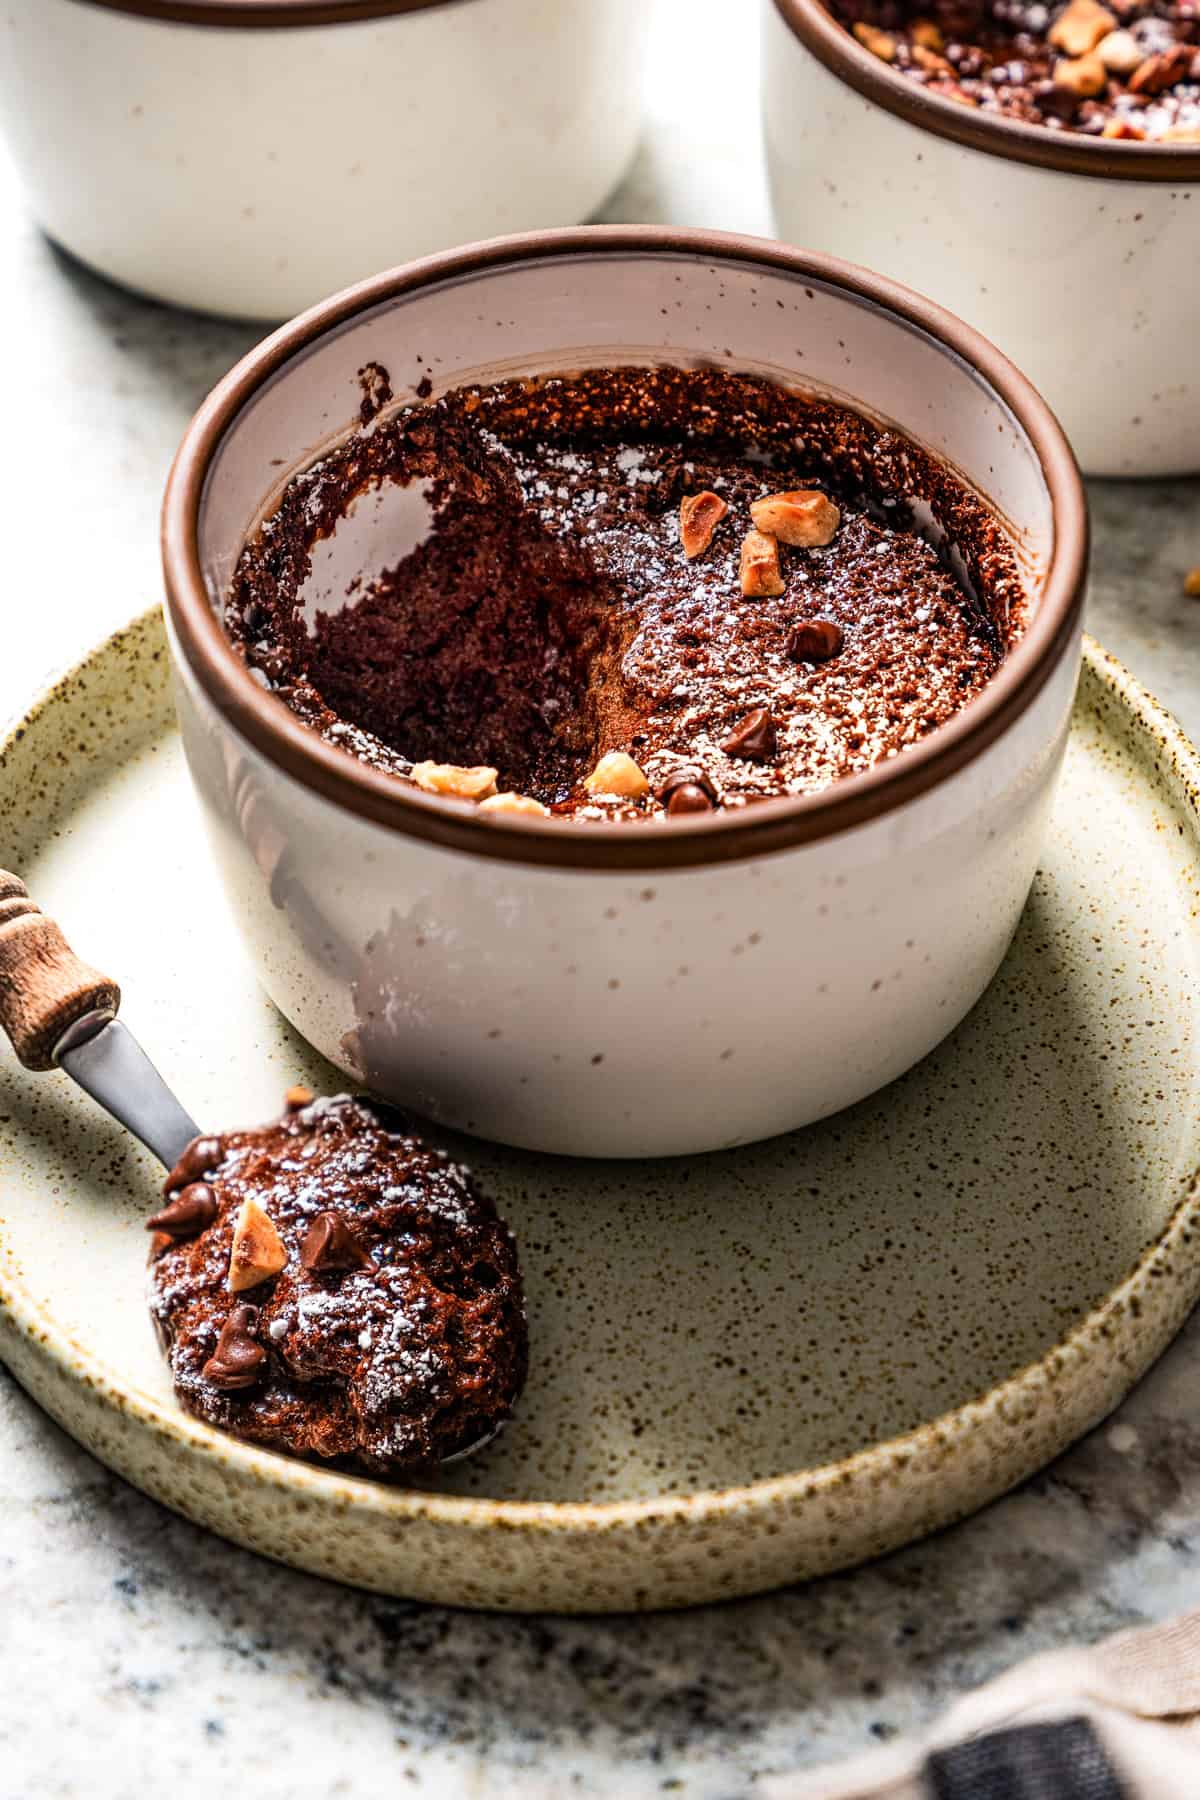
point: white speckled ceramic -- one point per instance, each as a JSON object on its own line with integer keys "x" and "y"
{"x": 1076, "y": 256}
{"x": 248, "y": 156}
{"x": 626, "y": 990}
{"x": 748, "y": 1368}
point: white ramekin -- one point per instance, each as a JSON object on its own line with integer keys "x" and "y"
{"x": 1077, "y": 256}
{"x": 250, "y": 156}
{"x": 626, "y": 990}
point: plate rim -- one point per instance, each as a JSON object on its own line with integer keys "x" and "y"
{"x": 173, "y": 1428}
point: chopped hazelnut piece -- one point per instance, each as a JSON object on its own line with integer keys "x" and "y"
{"x": 1157, "y": 73}
{"x": 447, "y": 778}
{"x": 1191, "y": 584}
{"x": 514, "y": 803}
{"x": 927, "y": 34}
{"x": 1119, "y": 52}
{"x": 297, "y": 1098}
{"x": 1121, "y": 128}
{"x": 803, "y": 517}
{"x": 759, "y": 570}
{"x": 879, "y": 43}
{"x": 1085, "y": 77}
{"x": 617, "y": 774}
{"x": 699, "y": 516}
{"x": 257, "y": 1252}
{"x": 1080, "y": 27}
{"x": 930, "y": 61}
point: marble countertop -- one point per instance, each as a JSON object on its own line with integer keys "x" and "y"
{"x": 140, "y": 1654}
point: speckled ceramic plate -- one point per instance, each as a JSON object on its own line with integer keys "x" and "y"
{"x": 747, "y": 1368}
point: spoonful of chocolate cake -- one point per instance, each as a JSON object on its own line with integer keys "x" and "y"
{"x": 328, "y": 1284}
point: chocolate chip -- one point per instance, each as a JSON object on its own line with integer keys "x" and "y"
{"x": 689, "y": 797}
{"x": 237, "y": 1361}
{"x": 755, "y": 738}
{"x": 200, "y": 1158}
{"x": 188, "y": 1213}
{"x": 1054, "y": 101}
{"x": 814, "y": 640}
{"x": 329, "y": 1243}
{"x": 686, "y": 776}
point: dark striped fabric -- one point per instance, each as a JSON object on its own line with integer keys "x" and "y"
{"x": 1059, "y": 1761}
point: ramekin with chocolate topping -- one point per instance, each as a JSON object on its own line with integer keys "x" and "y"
{"x": 1037, "y": 166}
{"x": 629, "y": 731}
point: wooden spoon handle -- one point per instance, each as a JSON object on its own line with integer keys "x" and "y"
{"x": 43, "y": 985}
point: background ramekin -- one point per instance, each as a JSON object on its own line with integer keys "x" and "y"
{"x": 250, "y": 156}
{"x": 1077, "y": 256}
{"x": 621, "y": 991}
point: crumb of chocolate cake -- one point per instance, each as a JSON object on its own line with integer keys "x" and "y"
{"x": 1126, "y": 72}
{"x": 384, "y": 1328}
{"x": 591, "y": 579}
{"x": 376, "y": 388}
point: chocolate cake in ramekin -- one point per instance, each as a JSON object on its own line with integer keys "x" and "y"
{"x": 741, "y": 524}
{"x": 625, "y": 594}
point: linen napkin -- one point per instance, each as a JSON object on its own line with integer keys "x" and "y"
{"x": 1117, "y": 1722}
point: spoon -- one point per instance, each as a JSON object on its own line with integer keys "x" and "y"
{"x": 59, "y": 1013}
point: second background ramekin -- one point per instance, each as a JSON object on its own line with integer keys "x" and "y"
{"x": 250, "y": 156}
{"x": 1077, "y": 256}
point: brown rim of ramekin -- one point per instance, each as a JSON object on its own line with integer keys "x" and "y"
{"x": 772, "y": 825}
{"x": 264, "y": 14}
{"x": 1067, "y": 151}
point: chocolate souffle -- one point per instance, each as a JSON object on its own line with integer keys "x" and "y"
{"x": 633, "y": 592}
{"x": 1126, "y": 69}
